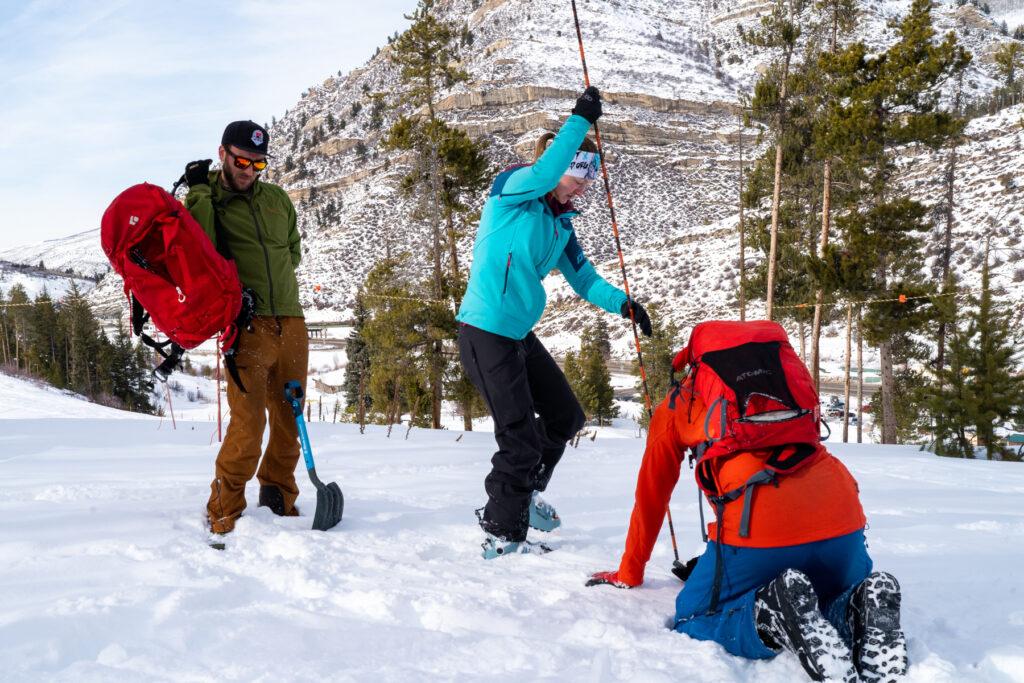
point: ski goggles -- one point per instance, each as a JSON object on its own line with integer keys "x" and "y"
{"x": 244, "y": 162}
{"x": 584, "y": 165}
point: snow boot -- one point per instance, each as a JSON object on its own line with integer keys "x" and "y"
{"x": 787, "y": 618}
{"x": 542, "y": 515}
{"x": 495, "y": 546}
{"x": 271, "y": 497}
{"x": 879, "y": 646}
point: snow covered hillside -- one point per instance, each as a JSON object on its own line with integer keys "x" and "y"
{"x": 81, "y": 253}
{"x": 671, "y": 73}
{"x": 54, "y": 265}
{"x": 105, "y": 573}
{"x": 31, "y": 399}
{"x": 35, "y": 280}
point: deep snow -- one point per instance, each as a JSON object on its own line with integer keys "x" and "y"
{"x": 105, "y": 573}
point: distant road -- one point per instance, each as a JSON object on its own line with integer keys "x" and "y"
{"x": 829, "y": 385}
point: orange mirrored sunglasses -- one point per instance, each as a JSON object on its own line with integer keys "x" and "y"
{"x": 243, "y": 162}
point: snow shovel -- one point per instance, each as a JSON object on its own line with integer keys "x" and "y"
{"x": 329, "y": 502}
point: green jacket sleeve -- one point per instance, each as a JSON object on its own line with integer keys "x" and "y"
{"x": 542, "y": 176}
{"x": 294, "y": 239}
{"x": 199, "y": 202}
{"x": 583, "y": 278}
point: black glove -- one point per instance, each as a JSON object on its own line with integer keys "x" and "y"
{"x": 683, "y": 571}
{"x": 198, "y": 172}
{"x": 606, "y": 579}
{"x": 639, "y": 314}
{"x": 589, "y": 105}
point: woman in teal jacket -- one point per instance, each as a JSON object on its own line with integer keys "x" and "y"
{"x": 526, "y": 232}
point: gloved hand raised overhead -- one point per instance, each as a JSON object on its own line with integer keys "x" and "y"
{"x": 589, "y": 105}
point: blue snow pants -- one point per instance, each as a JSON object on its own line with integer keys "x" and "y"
{"x": 835, "y": 567}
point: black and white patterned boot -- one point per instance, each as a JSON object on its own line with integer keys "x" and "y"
{"x": 879, "y": 646}
{"x": 787, "y": 618}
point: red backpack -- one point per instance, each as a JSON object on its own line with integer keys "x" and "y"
{"x": 760, "y": 398}
{"x": 173, "y": 274}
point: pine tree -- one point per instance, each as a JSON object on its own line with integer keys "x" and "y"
{"x": 81, "y": 334}
{"x": 659, "y": 351}
{"x": 573, "y": 372}
{"x": 1009, "y": 58}
{"x": 839, "y": 18}
{"x": 948, "y": 213}
{"x": 597, "y": 380}
{"x": 357, "y": 368}
{"x": 6, "y": 328}
{"x": 427, "y": 57}
{"x": 779, "y": 30}
{"x": 397, "y": 332}
{"x": 126, "y": 370}
{"x": 951, "y": 400}
{"x": 43, "y": 353}
{"x": 597, "y": 336}
{"x": 890, "y": 100}
{"x": 996, "y": 387}
{"x": 20, "y": 320}
{"x": 590, "y": 378}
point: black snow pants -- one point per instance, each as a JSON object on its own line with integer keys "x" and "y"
{"x": 535, "y": 415}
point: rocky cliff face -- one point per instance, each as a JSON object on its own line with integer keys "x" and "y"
{"x": 670, "y": 72}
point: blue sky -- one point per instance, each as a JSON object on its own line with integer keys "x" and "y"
{"x": 102, "y": 94}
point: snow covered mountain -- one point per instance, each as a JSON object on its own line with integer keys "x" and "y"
{"x": 80, "y": 253}
{"x": 54, "y": 265}
{"x": 671, "y": 74}
{"x": 105, "y": 573}
{"x": 34, "y": 280}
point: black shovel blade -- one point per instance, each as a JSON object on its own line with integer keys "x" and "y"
{"x": 330, "y": 504}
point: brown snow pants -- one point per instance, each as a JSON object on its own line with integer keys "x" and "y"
{"x": 276, "y": 351}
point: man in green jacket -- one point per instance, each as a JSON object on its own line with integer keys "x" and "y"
{"x": 253, "y": 223}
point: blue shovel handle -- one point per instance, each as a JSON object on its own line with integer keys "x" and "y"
{"x": 293, "y": 394}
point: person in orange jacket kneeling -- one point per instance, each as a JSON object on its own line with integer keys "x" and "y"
{"x": 786, "y": 566}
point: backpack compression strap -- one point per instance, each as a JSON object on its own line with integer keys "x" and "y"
{"x": 231, "y": 338}
{"x": 782, "y": 460}
{"x": 171, "y": 358}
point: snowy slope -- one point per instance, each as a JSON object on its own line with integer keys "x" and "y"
{"x": 80, "y": 252}
{"x": 105, "y": 574}
{"x": 22, "y": 399}
{"x": 35, "y": 280}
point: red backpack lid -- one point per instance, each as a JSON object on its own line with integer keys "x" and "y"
{"x": 715, "y": 335}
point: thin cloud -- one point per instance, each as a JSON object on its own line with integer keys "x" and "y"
{"x": 101, "y": 95}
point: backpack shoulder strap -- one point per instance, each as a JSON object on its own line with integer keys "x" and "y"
{"x": 223, "y": 248}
